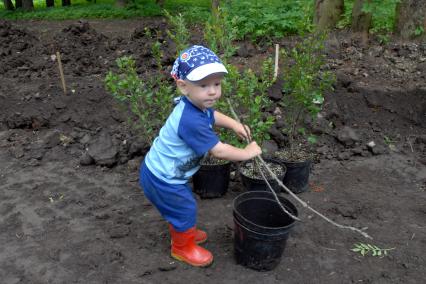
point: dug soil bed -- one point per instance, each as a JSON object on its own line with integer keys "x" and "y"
{"x": 71, "y": 209}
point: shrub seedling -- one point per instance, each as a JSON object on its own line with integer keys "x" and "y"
{"x": 365, "y": 249}
{"x": 179, "y": 33}
{"x": 149, "y": 100}
{"x": 305, "y": 82}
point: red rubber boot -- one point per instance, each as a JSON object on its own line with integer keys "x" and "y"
{"x": 200, "y": 235}
{"x": 185, "y": 249}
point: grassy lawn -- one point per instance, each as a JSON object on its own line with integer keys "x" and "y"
{"x": 252, "y": 18}
{"x": 107, "y": 9}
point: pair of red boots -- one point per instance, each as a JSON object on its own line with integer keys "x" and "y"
{"x": 185, "y": 247}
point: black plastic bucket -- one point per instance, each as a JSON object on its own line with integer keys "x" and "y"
{"x": 211, "y": 181}
{"x": 261, "y": 229}
{"x": 255, "y": 184}
{"x": 297, "y": 176}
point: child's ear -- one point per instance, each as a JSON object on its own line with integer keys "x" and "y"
{"x": 181, "y": 85}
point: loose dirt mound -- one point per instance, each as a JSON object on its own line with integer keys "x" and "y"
{"x": 18, "y": 47}
{"x": 82, "y": 49}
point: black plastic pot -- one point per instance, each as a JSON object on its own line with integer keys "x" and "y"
{"x": 297, "y": 175}
{"x": 211, "y": 181}
{"x": 261, "y": 229}
{"x": 255, "y": 184}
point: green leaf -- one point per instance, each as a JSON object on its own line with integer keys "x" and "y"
{"x": 370, "y": 247}
{"x": 312, "y": 139}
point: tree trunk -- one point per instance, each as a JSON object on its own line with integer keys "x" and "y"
{"x": 215, "y": 4}
{"x": 327, "y": 13}
{"x": 215, "y": 8}
{"x": 160, "y": 3}
{"x": 8, "y": 5}
{"x": 121, "y": 3}
{"x": 18, "y": 4}
{"x": 410, "y": 17}
{"x": 66, "y": 3}
{"x": 50, "y": 3}
{"x": 27, "y": 5}
{"x": 361, "y": 21}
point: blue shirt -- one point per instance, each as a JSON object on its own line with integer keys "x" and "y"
{"x": 183, "y": 141}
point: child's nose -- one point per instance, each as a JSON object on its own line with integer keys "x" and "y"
{"x": 212, "y": 90}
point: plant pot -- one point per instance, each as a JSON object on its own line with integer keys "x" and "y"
{"x": 297, "y": 175}
{"x": 211, "y": 181}
{"x": 261, "y": 229}
{"x": 258, "y": 183}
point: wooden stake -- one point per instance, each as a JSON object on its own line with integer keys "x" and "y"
{"x": 61, "y": 72}
{"x": 277, "y": 49}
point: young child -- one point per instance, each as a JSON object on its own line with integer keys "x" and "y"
{"x": 184, "y": 140}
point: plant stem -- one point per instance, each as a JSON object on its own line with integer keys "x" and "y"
{"x": 258, "y": 167}
{"x": 293, "y": 132}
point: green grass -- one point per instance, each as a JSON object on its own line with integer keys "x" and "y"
{"x": 252, "y": 19}
{"x": 383, "y": 12}
{"x": 271, "y": 18}
{"x": 196, "y": 9}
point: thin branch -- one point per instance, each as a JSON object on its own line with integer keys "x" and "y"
{"x": 258, "y": 166}
{"x": 293, "y": 131}
{"x": 304, "y": 204}
{"x": 275, "y": 195}
{"x": 364, "y": 234}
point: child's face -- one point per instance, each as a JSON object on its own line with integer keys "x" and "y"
{"x": 203, "y": 93}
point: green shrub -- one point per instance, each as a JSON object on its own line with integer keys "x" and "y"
{"x": 383, "y": 12}
{"x": 383, "y": 15}
{"x": 150, "y": 100}
{"x": 220, "y": 33}
{"x": 305, "y": 82}
{"x": 247, "y": 92}
{"x": 179, "y": 33}
{"x": 270, "y": 18}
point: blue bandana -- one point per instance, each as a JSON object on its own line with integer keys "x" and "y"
{"x": 196, "y": 63}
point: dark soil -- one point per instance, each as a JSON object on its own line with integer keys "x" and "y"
{"x": 71, "y": 210}
{"x": 250, "y": 170}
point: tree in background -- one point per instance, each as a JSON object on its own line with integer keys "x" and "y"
{"x": 66, "y": 3}
{"x": 215, "y": 5}
{"x": 8, "y": 5}
{"x": 411, "y": 18}
{"x": 121, "y": 3}
{"x": 361, "y": 20}
{"x": 327, "y": 13}
{"x": 50, "y": 3}
{"x": 27, "y": 5}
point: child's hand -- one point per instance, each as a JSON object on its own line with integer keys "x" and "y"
{"x": 253, "y": 150}
{"x": 241, "y": 132}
